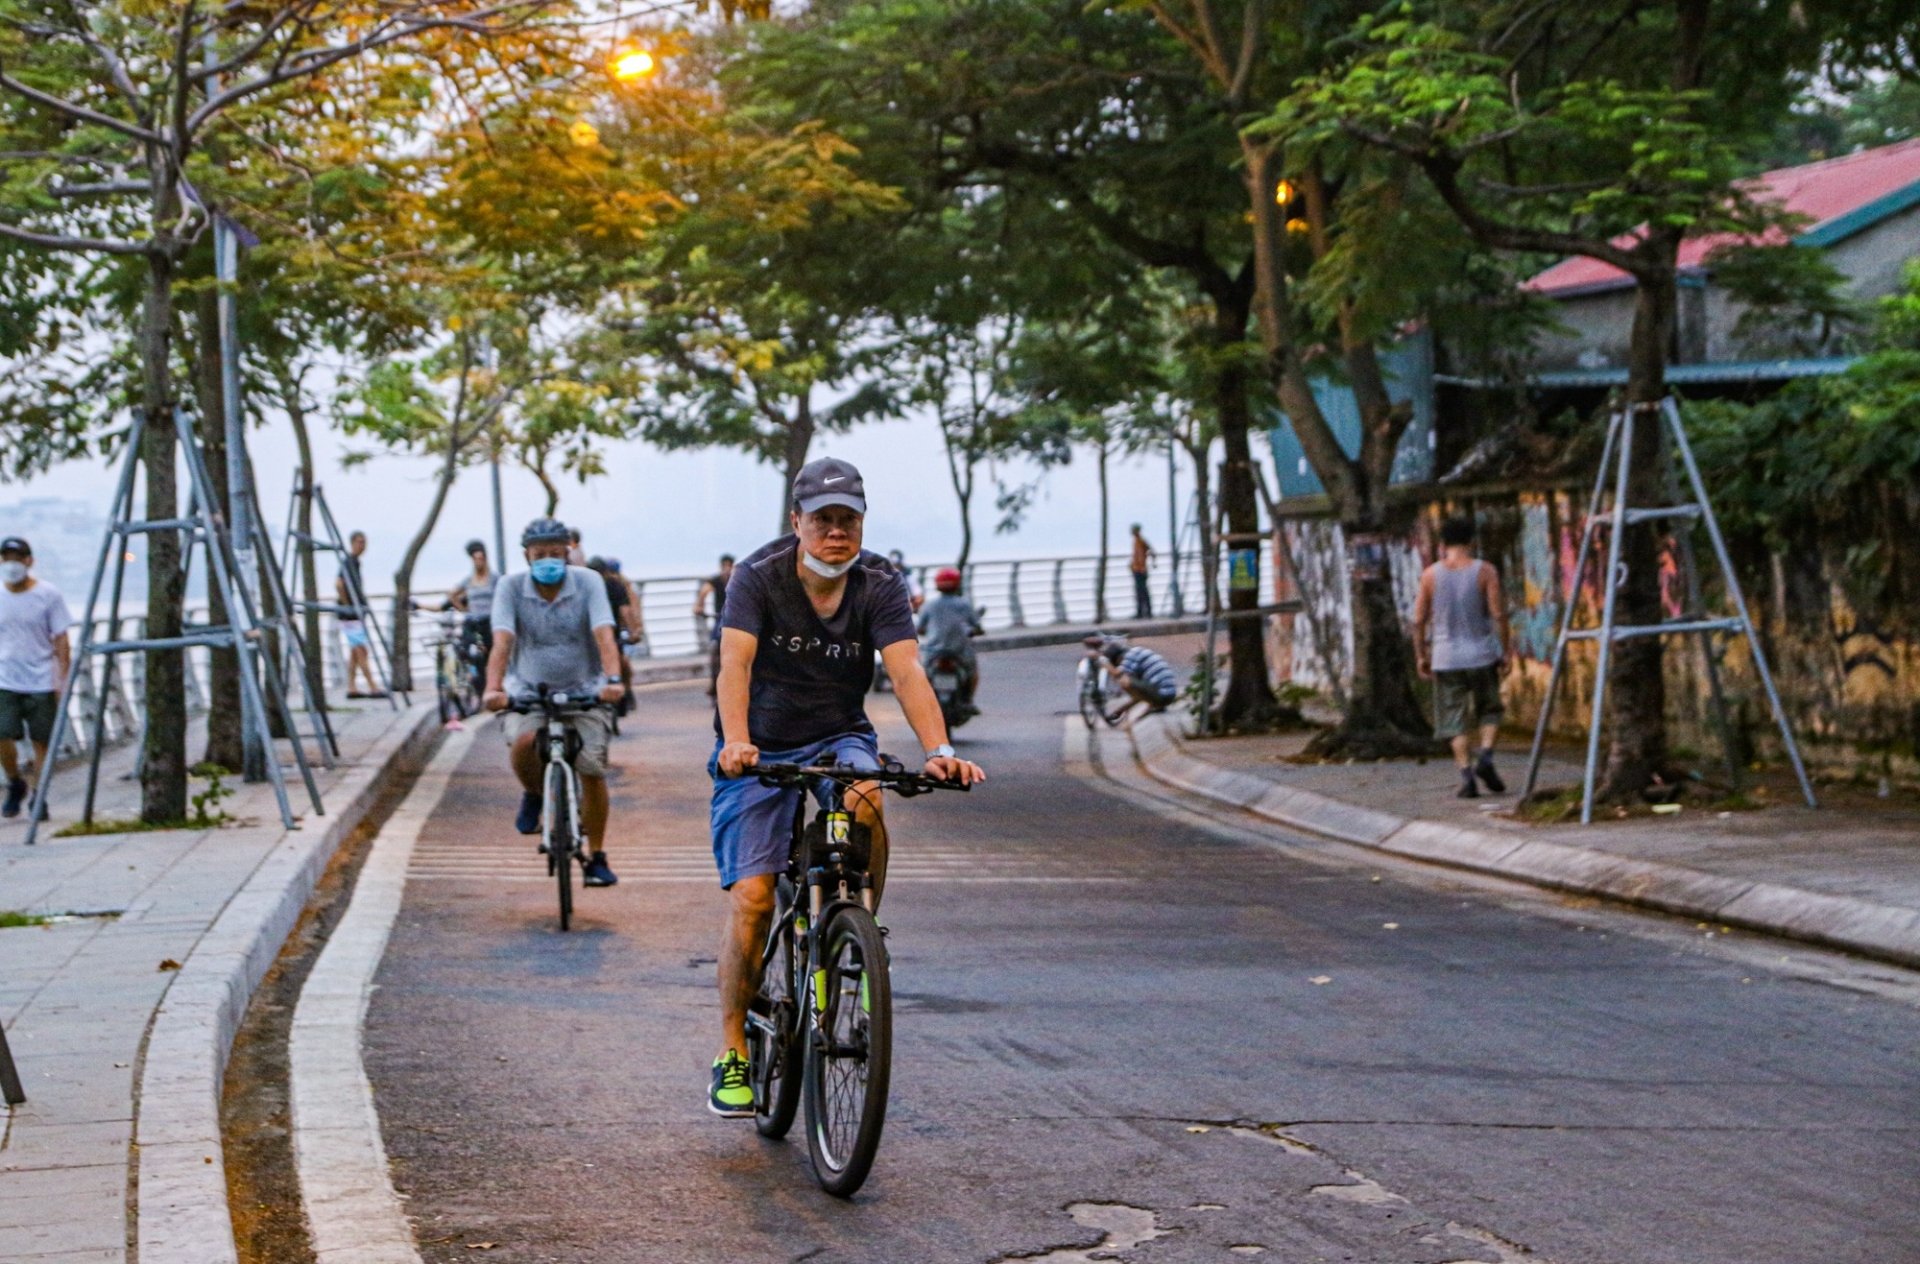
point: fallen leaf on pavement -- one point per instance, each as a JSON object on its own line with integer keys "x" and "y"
{"x": 1321, "y": 978}
{"x": 1389, "y": 925}
{"x": 169, "y": 964}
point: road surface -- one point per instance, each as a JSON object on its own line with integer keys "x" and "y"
{"x": 1129, "y": 1029}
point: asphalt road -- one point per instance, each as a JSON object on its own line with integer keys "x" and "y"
{"x": 1122, "y": 1027}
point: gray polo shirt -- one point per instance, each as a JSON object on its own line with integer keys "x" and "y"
{"x": 553, "y": 640}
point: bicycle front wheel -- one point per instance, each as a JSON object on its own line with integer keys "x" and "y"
{"x": 849, "y": 1051}
{"x": 774, "y": 1033}
{"x": 560, "y": 842}
{"x": 1092, "y": 708}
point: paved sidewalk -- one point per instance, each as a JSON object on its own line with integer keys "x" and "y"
{"x": 1846, "y": 874}
{"x": 112, "y": 1047}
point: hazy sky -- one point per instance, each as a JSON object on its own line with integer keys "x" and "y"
{"x": 669, "y": 514}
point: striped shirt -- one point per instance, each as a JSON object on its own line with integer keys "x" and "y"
{"x": 1152, "y": 671}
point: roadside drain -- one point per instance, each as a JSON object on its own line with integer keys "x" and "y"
{"x": 1125, "y": 1228}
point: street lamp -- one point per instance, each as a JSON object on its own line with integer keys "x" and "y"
{"x": 630, "y": 64}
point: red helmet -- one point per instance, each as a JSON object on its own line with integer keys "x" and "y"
{"x": 947, "y": 580}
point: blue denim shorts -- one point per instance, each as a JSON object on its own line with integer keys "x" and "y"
{"x": 753, "y": 823}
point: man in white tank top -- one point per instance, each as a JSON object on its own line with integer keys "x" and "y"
{"x": 1461, "y": 638}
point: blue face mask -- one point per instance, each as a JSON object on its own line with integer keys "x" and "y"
{"x": 549, "y": 570}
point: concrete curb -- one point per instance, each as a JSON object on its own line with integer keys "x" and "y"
{"x": 352, "y": 1210}
{"x": 1881, "y": 931}
{"x": 182, "y": 1213}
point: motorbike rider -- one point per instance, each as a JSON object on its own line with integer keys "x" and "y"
{"x": 947, "y": 624}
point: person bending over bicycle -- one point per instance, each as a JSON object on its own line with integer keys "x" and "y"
{"x": 553, "y": 626}
{"x": 804, "y": 617}
{"x": 1146, "y": 676}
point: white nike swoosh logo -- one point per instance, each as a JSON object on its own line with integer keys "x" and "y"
{"x": 841, "y": 478}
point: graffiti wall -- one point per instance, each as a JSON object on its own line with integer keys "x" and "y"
{"x": 1851, "y": 691}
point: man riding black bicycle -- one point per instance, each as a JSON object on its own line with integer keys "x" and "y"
{"x": 804, "y": 617}
{"x": 553, "y": 626}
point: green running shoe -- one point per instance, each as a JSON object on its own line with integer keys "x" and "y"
{"x": 731, "y": 1097}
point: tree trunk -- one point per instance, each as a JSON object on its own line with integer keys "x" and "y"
{"x": 289, "y": 388}
{"x": 1249, "y": 702}
{"x": 1100, "y": 576}
{"x": 963, "y": 490}
{"x": 799, "y": 440}
{"x": 163, "y": 771}
{"x": 539, "y": 470}
{"x": 1383, "y": 716}
{"x": 403, "y": 577}
{"x": 226, "y": 737}
{"x": 1636, "y": 685}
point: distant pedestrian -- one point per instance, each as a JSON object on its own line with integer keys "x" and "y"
{"x": 34, "y": 660}
{"x": 1460, "y": 611}
{"x": 626, "y": 623}
{"x": 1145, "y": 675}
{"x": 351, "y": 591}
{"x": 714, "y": 586}
{"x": 1143, "y": 556}
{"x": 915, "y": 596}
{"x": 575, "y": 555}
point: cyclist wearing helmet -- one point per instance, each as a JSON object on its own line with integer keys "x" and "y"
{"x": 553, "y": 626}
{"x": 804, "y": 617}
{"x": 948, "y": 623}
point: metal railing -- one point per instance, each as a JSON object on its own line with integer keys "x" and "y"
{"x": 1016, "y": 592}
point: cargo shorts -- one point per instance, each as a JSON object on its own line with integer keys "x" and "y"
{"x": 595, "y": 730}
{"x": 1464, "y": 699}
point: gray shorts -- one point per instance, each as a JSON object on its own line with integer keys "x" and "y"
{"x": 594, "y": 727}
{"x": 1463, "y": 698}
{"x": 28, "y": 715}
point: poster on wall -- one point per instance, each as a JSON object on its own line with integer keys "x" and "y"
{"x": 1367, "y": 556}
{"x": 1243, "y": 570}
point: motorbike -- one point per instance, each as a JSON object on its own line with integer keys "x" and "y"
{"x": 945, "y": 677}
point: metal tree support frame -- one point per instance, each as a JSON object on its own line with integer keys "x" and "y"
{"x": 379, "y": 653}
{"x": 1617, "y": 455}
{"x": 243, "y": 633}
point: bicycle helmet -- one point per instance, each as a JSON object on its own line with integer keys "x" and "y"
{"x": 947, "y": 580}
{"x": 545, "y": 531}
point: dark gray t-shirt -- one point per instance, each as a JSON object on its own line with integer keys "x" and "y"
{"x": 811, "y": 675}
{"x": 553, "y": 640}
{"x": 947, "y": 624}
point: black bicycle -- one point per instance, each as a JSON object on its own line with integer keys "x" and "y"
{"x": 459, "y": 668}
{"x": 821, "y": 1025}
{"x": 562, "y": 841}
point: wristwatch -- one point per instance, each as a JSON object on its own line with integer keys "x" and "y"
{"x": 942, "y": 751}
{"x": 613, "y": 680}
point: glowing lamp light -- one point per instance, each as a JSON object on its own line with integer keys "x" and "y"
{"x": 1298, "y": 226}
{"x": 632, "y": 63}
{"x": 1283, "y": 193}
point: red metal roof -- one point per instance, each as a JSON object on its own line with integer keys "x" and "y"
{"x": 1822, "y": 191}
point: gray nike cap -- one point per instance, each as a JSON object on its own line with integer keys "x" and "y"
{"x": 829, "y": 481}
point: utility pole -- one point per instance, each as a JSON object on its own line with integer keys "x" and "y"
{"x": 499, "y": 520}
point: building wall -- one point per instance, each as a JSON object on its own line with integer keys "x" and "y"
{"x": 1851, "y": 691}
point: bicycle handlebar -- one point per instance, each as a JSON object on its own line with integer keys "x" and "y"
{"x": 553, "y": 703}
{"x": 894, "y": 777}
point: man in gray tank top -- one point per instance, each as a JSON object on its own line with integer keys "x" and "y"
{"x": 1461, "y": 637}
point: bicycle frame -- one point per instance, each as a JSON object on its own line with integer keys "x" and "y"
{"x": 558, "y": 765}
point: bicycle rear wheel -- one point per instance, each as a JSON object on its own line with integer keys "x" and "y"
{"x": 560, "y": 840}
{"x": 775, "y": 1046}
{"x": 849, "y": 1052}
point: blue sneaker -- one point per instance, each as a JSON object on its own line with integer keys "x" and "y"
{"x": 528, "y": 822}
{"x": 595, "y": 872}
{"x": 16, "y": 795}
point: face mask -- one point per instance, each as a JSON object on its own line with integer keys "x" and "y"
{"x": 13, "y": 572}
{"x": 549, "y": 570}
{"x": 826, "y": 570}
